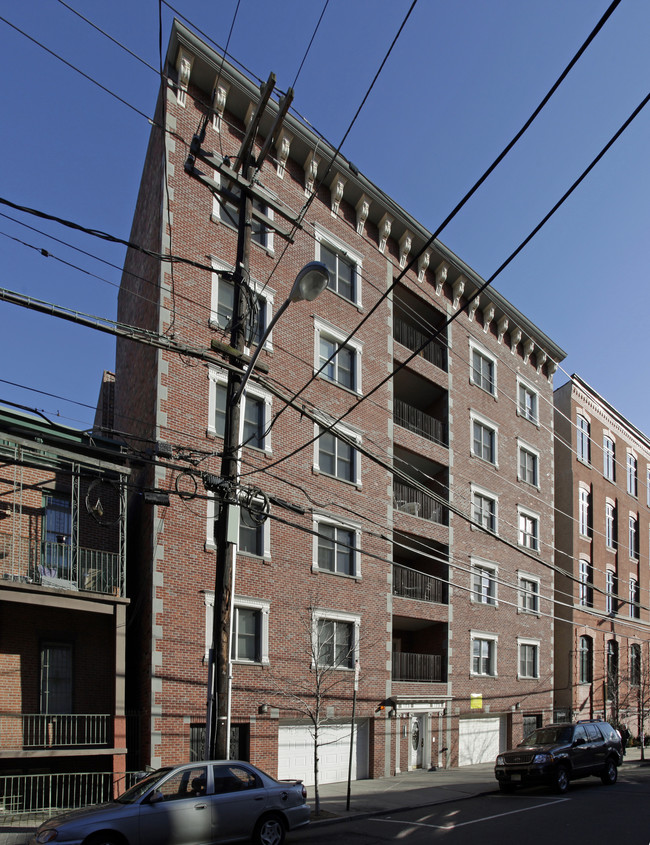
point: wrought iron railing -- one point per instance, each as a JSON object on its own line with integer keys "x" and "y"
{"x": 411, "y": 584}
{"x": 413, "y": 338}
{"x": 60, "y": 565}
{"x": 425, "y": 668}
{"x": 415, "y": 502}
{"x": 421, "y": 423}
{"x": 30, "y": 731}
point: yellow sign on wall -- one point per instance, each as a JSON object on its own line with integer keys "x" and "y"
{"x": 476, "y": 701}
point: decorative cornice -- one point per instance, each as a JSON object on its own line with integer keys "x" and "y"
{"x": 337, "y": 186}
{"x": 405, "y": 244}
{"x": 311, "y": 172}
{"x": 488, "y": 316}
{"x": 458, "y": 288}
{"x": 515, "y": 338}
{"x": 502, "y": 328}
{"x": 472, "y": 308}
{"x": 529, "y": 346}
{"x": 541, "y": 359}
{"x": 551, "y": 368}
{"x": 219, "y": 97}
{"x": 283, "y": 146}
{"x": 442, "y": 271}
{"x": 363, "y": 210}
{"x": 184, "y": 64}
{"x": 423, "y": 264}
{"x": 385, "y": 225}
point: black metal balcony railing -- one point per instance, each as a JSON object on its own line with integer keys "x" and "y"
{"x": 425, "y": 668}
{"x": 53, "y": 564}
{"x": 410, "y": 584}
{"x": 49, "y": 730}
{"x": 409, "y": 500}
{"x": 421, "y": 423}
{"x": 413, "y": 338}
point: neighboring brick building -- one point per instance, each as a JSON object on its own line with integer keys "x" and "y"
{"x": 62, "y": 614}
{"x": 602, "y": 469}
{"x": 452, "y": 626}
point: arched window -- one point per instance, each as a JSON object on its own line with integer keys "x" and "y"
{"x": 585, "y": 660}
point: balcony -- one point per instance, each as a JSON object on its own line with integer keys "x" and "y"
{"x": 422, "y": 668}
{"x": 34, "y": 731}
{"x": 410, "y": 584}
{"x": 416, "y": 503}
{"x": 413, "y": 338}
{"x": 60, "y": 566}
{"x": 413, "y": 419}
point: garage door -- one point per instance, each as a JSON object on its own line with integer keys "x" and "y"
{"x": 479, "y": 740}
{"x": 296, "y": 752}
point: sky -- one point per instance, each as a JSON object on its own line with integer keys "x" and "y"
{"x": 462, "y": 78}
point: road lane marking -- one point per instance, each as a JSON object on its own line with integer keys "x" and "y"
{"x": 472, "y": 821}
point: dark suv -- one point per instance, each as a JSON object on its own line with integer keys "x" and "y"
{"x": 556, "y": 754}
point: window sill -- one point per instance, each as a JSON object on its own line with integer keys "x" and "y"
{"x": 357, "y": 484}
{"x": 493, "y": 393}
{"x": 484, "y": 460}
{"x": 350, "y": 390}
{"x": 337, "y": 574}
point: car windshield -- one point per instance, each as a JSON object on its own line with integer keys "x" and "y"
{"x": 549, "y": 736}
{"x": 142, "y": 786}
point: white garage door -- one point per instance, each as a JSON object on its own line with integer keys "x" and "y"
{"x": 296, "y": 752}
{"x": 479, "y": 740}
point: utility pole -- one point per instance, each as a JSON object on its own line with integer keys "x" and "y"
{"x": 227, "y": 522}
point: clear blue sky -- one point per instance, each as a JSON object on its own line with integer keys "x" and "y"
{"x": 463, "y": 78}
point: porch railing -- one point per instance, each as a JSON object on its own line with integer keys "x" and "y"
{"x": 409, "y": 500}
{"x": 421, "y": 423}
{"x": 426, "y": 668}
{"x": 410, "y": 584}
{"x": 56, "y": 565}
{"x": 413, "y": 338}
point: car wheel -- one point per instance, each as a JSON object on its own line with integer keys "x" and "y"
{"x": 561, "y": 780}
{"x": 104, "y": 839}
{"x": 269, "y": 830}
{"x": 610, "y": 773}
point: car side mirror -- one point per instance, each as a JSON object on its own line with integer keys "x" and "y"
{"x": 579, "y": 741}
{"x": 156, "y": 797}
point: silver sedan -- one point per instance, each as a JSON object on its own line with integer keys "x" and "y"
{"x": 193, "y": 804}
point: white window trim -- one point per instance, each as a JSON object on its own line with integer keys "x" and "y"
{"x": 474, "y": 416}
{"x": 321, "y": 518}
{"x": 267, "y": 294}
{"x": 522, "y": 444}
{"x": 476, "y": 564}
{"x": 521, "y": 641}
{"x": 243, "y": 603}
{"x": 488, "y": 494}
{"x": 610, "y": 436}
{"x": 580, "y": 412}
{"x": 322, "y": 234}
{"x": 354, "y": 619}
{"x": 630, "y": 453}
{"x": 584, "y": 489}
{"x": 610, "y": 503}
{"x": 532, "y": 389}
{"x": 482, "y": 635}
{"x": 635, "y": 516}
{"x": 526, "y": 512}
{"x": 215, "y": 377}
{"x": 269, "y": 247}
{"x": 474, "y": 346}
{"x": 521, "y": 576}
{"x": 347, "y": 431}
{"x": 210, "y": 544}
{"x": 332, "y": 333}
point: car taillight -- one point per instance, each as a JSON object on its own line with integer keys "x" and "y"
{"x": 304, "y": 792}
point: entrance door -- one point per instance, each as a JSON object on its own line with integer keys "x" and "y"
{"x": 416, "y": 746}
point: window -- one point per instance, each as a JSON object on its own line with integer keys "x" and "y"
{"x": 223, "y": 302}
{"x": 611, "y": 591}
{"x": 635, "y": 665}
{"x": 228, "y": 212}
{"x": 484, "y": 655}
{"x": 250, "y": 624}
{"x": 186, "y": 784}
{"x": 254, "y": 537}
{"x": 584, "y": 511}
{"x": 484, "y": 440}
{"x": 336, "y": 547}
{"x": 633, "y": 537}
{"x": 585, "y": 660}
{"x": 612, "y": 670}
{"x": 56, "y": 678}
{"x": 634, "y": 599}
{"x": 343, "y": 263}
{"x": 483, "y": 370}
{"x": 344, "y": 368}
{"x": 528, "y": 465}
{"x": 528, "y": 594}
{"x": 527, "y": 402}
{"x": 583, "y": 443}
{"x": 336, "y": 639}
{"x": 610, "y": 525}
{"x": 337, "y": 457}
{"x": 56, "y": 559}
{"x": 632, "y": 478}
{"x": 484, "y": 509}
{"x": 528, "y": 530}
{"x": 586, "y": 582}
{"x": 484, "y": 583}
{"x": 255, "y": 407}
{"x": 609, "y": 458}
{"x": 528, "y": 659}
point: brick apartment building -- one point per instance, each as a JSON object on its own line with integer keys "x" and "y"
{"x": 63, "y": 613}
{"x": 420, "y": 540}
{"x": 602, "y": 466}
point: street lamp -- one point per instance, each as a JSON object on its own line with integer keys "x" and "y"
{"x": 309, "y": 283}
